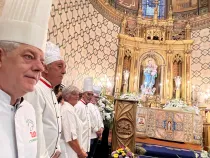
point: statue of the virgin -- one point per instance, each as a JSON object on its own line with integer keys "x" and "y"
{"x": 150, "y": 74}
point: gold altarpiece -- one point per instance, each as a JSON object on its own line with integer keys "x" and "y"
{"x": 142, "y": 40}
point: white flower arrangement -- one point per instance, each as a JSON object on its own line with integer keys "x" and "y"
{"x": 137, "y": 97}
{"x": 130, "y": 96}
{"x": 106, "y": 109}
{"x": 175, "y": 103}
{"x": 179, "y": 105}
{"x": 203, "y": 154}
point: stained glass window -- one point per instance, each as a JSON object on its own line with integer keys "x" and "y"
{"x": 149, "y": 5}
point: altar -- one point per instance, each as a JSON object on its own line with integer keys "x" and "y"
{"x": 150, "y": 58}
{"x": 156, "y": 66}
{"x": 132, "y": 121}
{"x": 169, "y": 125}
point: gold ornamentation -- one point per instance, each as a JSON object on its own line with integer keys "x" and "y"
{"x": 116, "y": 16}
{"x": 154, "y": 40}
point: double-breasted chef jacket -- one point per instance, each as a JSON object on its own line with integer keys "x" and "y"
{"x": 82, "y": 111}
{"x": 96, "y": 120}
{"x": 48, "y": 118}
{"x": 18, "y": 134}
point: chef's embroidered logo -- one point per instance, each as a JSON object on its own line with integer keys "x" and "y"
{"x": 32, "y": 131}
{"x": 33, "y": 134}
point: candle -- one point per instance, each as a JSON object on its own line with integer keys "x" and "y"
{"x": 117, "y": 83}
{"x": 193, "y": 93}
{"x": 188, "y": 84}
{"x": 188, "y": 90}
{"x": 167, "y": 88}
{"x": 135, "y": 83}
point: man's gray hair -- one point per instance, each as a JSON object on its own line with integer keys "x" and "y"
{"x": 68, "y": 90}
{"x": 8, "y": 46}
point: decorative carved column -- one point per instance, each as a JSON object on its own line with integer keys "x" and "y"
{"x": 133, "y": 79}
{"x": 118, "y": 79}
{"x": 124, "y": 130}
{"x": 123, "y": 25}
{"x": 162, "y": 93}
{"x": 209, "y": 6}
{"x": 188, "y": 76}
{"x": 206, "y": 136}
{"x": 169, "y": 79}
{"x": 135, "y": 70}
{"x": 188, "y": 31}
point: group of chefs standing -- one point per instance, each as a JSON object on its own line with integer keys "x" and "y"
{"x": 32, "y": 122}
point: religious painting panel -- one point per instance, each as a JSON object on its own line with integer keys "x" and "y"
{"x": 141, "y": 120}
{"x": 184, "y": 5}
{"x": 130, "y": 4}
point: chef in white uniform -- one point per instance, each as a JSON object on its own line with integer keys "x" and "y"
{"x": 71, "y": 125}
{"x": 45, "y": 104}
{"x": 83, "y": 112}
{"x": 97, "y": 125}
{"x": 23, "y": 30}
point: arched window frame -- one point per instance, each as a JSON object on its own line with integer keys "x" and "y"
{"x": 148, "y": 8}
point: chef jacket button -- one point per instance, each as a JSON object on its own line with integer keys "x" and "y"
{"x": 58, "y": 117}
{"x": 56, "y": 148}
{"x": 12, "y": 109}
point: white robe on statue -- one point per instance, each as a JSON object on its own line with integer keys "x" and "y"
{"x": 17, "y": 124}
{"x": 48, "y": 118}
{"x": 82, "y": 111}
{"x": 71, "y": 129}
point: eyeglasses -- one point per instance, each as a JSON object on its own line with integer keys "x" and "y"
{"x": 89, "y": 94}
{"x": 75, "y": 94}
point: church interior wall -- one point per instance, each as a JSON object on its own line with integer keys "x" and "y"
{"x": 88, "y": 41}
{"x": 200, "y": 72}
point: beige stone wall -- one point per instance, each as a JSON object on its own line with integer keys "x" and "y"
{"x": 201, "y": 58}
{"x": 87, "y": 40}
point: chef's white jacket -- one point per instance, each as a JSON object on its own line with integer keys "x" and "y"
{"x": 71, "y": 130}
{"x": 82, "y": 111}
{"x": 48, "y": 118}
{"x": 18, "y": 135}
{"x": 96, "y": 120}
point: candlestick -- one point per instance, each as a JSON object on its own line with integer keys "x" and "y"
{"x": 188, "y": 91}
{"x": 167, "y": 88}
{"x": 117, "y": 81}
{"x": 135, "y": 83}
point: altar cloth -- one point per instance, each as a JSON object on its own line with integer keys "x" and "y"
{"x": 169, "y": 125}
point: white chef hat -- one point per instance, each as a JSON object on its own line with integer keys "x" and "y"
{"x": 25, "y": 21}
{"x": 96, "y": 90}
{"x": 52, "y": 53}
{"x": 88, "y": 84}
